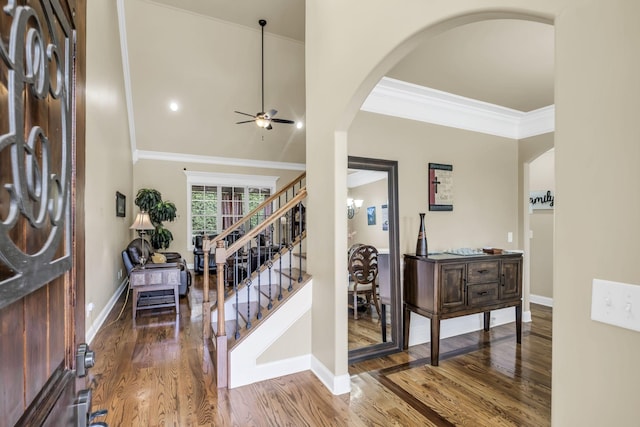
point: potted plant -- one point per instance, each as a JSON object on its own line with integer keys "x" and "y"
{"x": 150, "y": 201}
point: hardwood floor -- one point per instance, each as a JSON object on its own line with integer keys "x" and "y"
{"x": 367, "y": 329}
{"x": 160, "y": 373}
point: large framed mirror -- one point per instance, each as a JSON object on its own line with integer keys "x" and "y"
{"x": 374, "y": 309}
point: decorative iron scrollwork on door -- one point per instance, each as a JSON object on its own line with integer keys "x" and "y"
{"x": 36, "y": 146}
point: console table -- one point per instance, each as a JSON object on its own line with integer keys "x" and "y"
{"x": 445, "y": 286}
{"x": 151, "y": 282}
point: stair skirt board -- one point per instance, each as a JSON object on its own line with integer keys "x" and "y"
{"x": 243, "y": 366}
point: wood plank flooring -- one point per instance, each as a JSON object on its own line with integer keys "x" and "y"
{"x": 160, "y": 373}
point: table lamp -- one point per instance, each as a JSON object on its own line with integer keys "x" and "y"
{"x": 141, "y": 224}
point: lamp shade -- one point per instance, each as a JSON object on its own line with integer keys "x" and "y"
{"x": 142, "y": 222}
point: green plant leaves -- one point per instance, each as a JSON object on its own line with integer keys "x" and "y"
{"x": 150, "y": 201}
{"x": 161, "y": 238}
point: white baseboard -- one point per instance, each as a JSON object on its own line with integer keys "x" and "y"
{"x": 537, "y": 299}
{"x": 91, "y": 332}
{"x": 336, "y": 384}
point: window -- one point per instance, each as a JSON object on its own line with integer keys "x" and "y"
{"x": 204, "y": 210}
{"x": 216, "y": 201}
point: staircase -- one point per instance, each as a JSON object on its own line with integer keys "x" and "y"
{"x": 264, "y": 285}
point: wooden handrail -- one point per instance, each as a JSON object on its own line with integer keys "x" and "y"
{"x": 267, "y": 222}
{"x": 262, "y": 205}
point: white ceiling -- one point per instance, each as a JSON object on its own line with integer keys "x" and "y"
{"x": 503, "y": 62}
{"x": 284, "y": 17}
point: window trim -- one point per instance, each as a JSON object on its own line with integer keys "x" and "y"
{"x": 223, "y": 179}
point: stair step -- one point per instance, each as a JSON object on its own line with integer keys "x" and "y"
{"x": 302, "y": 255}
{"x": 252, "y": 307}
{"x": 294, "y": 273}
{"x": 275, "y": 290}
{"x": 229, "y": 326}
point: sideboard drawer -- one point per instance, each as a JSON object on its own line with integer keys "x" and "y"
{"x": 483, "y": 272}
{"x": 478, "y": 295}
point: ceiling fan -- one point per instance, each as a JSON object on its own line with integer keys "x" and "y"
{"x": 264, "y": 119}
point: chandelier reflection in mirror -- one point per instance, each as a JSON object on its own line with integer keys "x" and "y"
{"x": 353, "y": 207}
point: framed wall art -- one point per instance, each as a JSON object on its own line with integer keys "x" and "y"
{"x": 440, "y": 187}
{"x": 121, "y": 204}
{"x": 371, "y": 215}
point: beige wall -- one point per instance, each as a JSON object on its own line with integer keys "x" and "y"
{"x": 108, "y": 158}
{"x": 596, "y": 93}
{"x": 295, "y": 342}
{"x": 373, "y": 194}
{"x": 485, "y": 192}
{"x": 595, "y": 373}
{"x": 528, "y": 150}
{"x": 542, "y": 178}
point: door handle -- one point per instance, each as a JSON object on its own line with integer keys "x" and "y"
{"x": 85, "y": 359}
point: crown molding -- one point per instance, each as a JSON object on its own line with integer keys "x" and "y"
{"x": 396, "y": 98}
{"x": 211, "y": 160}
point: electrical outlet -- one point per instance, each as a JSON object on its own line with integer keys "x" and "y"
{"x": 510, "y": 237}
{"x": 90, "y": 307}
{"x": 616, "y": 304}
{"x": 119, "y": 274}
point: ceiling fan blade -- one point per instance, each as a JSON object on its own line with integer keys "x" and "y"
{"x": 291, "y": 122}
{"x": 246, "y": 121}
{"x": 269, "y": 127}
{"x": 245, "y": 114}
{"x": 272, "y": 113}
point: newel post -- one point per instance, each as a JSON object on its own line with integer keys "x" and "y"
{"x": 206, "y": 305}
{"x": 221, "y": 335}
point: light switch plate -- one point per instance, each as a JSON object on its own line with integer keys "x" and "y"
{"x": 616, "y": 303}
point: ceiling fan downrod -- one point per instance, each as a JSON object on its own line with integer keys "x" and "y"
{"x": 262, "y": 23}
{"x": 263, "y": 119}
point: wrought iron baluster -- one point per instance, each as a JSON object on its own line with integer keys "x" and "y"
{"x": 258, "y": 265}
{"x": 247, "y": 283}
{"x": 237, "y": 304}
{"x": 270, "y": 265}
{"x": 300, "y": 243}
{"x": 290, "y": 247}
{"x": 280, "y": 273}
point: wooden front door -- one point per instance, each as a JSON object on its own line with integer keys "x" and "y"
{"x": 42, "y": 73}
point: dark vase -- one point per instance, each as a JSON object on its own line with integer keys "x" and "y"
{"x": 421, "y": 246}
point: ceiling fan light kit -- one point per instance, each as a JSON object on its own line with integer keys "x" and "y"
{"x": 264, "y": 119}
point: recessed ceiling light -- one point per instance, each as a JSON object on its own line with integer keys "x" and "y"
{"x": 173, "y": 106}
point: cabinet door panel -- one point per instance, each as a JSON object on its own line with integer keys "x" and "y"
{"x": 452, "y": 286}
{"x": 511, "y": 279}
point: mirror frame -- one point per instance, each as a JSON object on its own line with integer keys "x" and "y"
{"x": 396, "y": 343}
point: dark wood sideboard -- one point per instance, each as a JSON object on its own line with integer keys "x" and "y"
{"x": 445, "y": 286}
